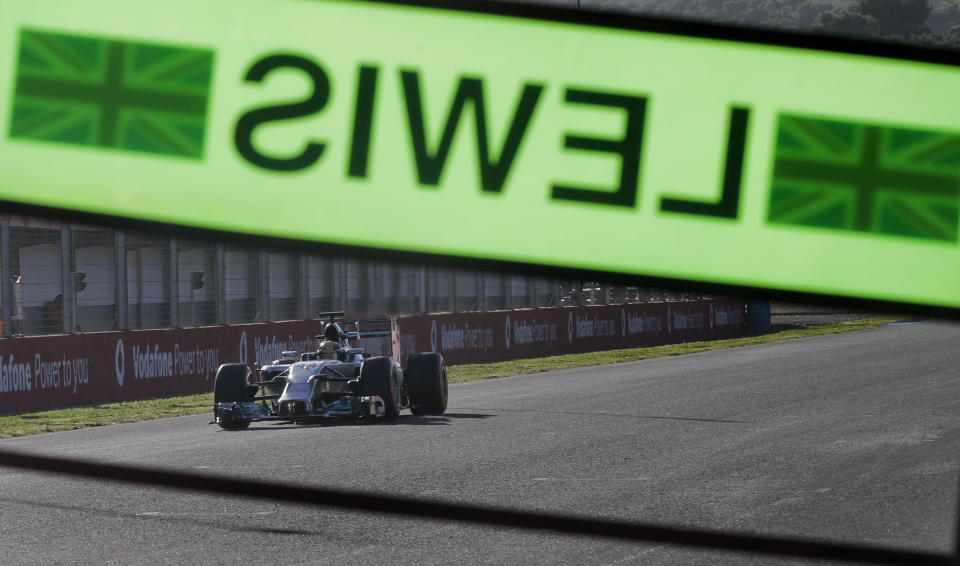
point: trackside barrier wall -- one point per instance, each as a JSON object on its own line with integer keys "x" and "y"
{"x": 505, "y": 335}
{"x": 62, "y": 370}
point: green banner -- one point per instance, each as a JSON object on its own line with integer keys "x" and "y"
{"x": 491, "y": 136}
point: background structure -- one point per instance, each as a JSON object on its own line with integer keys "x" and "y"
{"x": 59, "y": 277}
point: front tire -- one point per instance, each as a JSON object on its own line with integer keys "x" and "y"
{"x": 377, "y": 377}
{"x": 231, "y": 387}
{"x": 426, "y": 376}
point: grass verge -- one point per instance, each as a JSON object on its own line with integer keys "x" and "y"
{"x": 22, "y": 424}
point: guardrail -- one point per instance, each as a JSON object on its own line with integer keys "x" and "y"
{"x": 528, "y": 333}
{"x": 73, "y": 369}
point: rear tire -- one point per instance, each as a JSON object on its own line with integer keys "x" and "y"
{"x": 377, "y": 377}
{"x": 426, "y": 376}
{"x": 231, "y": 387}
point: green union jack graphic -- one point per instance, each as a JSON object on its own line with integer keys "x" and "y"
{"x": 865, "y": 177}
{"x": 133, "y": 96}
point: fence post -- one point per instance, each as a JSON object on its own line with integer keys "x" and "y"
{"x": 452, "y": 291}
{"x": 66, "y": 281}
{"x": 482, "y": 289}
{"x": 121, "y": 297}
{"x": 422, "y": 304}
{"x": 396, "y": 284}
{"x": 264, "y": 260}
{"x": 221, "y": 298}
{"x": 173, "y": 283}
{"x": 303, "y": 286}
{"x": 6, "y": 272}
{"x": 344, "y": 294}
{"x": 336, "y": 283}
{"x": 367, "y": 272}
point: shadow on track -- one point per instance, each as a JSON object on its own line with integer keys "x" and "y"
{"x": 176, "y": 518}
{"x": 615, "y": 415}
{"x": 445, "y": 419}
{"x": 408, "y": 506}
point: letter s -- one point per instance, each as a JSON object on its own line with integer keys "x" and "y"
{"x": 311, "y": 105}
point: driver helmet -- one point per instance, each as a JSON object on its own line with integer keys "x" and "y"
{"x": 332, "y": 332}
{"x": 328, "y": 350}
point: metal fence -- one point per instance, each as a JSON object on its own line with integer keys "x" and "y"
{"x": 74, "y": 278}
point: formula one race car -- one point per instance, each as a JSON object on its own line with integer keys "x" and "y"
{"x": 335, "y": 382}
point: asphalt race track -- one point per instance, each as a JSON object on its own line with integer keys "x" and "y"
{"x": 852, "y": 438}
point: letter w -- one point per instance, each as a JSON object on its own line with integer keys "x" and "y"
{"x": 493, "y": 172}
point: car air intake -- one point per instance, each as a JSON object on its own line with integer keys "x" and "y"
{"x": 293, "y": 408}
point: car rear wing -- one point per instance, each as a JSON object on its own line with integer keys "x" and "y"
{"x": 359, "y": 331}
{"x": 334, "y": 316}
{"x": 369, "y": 332}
